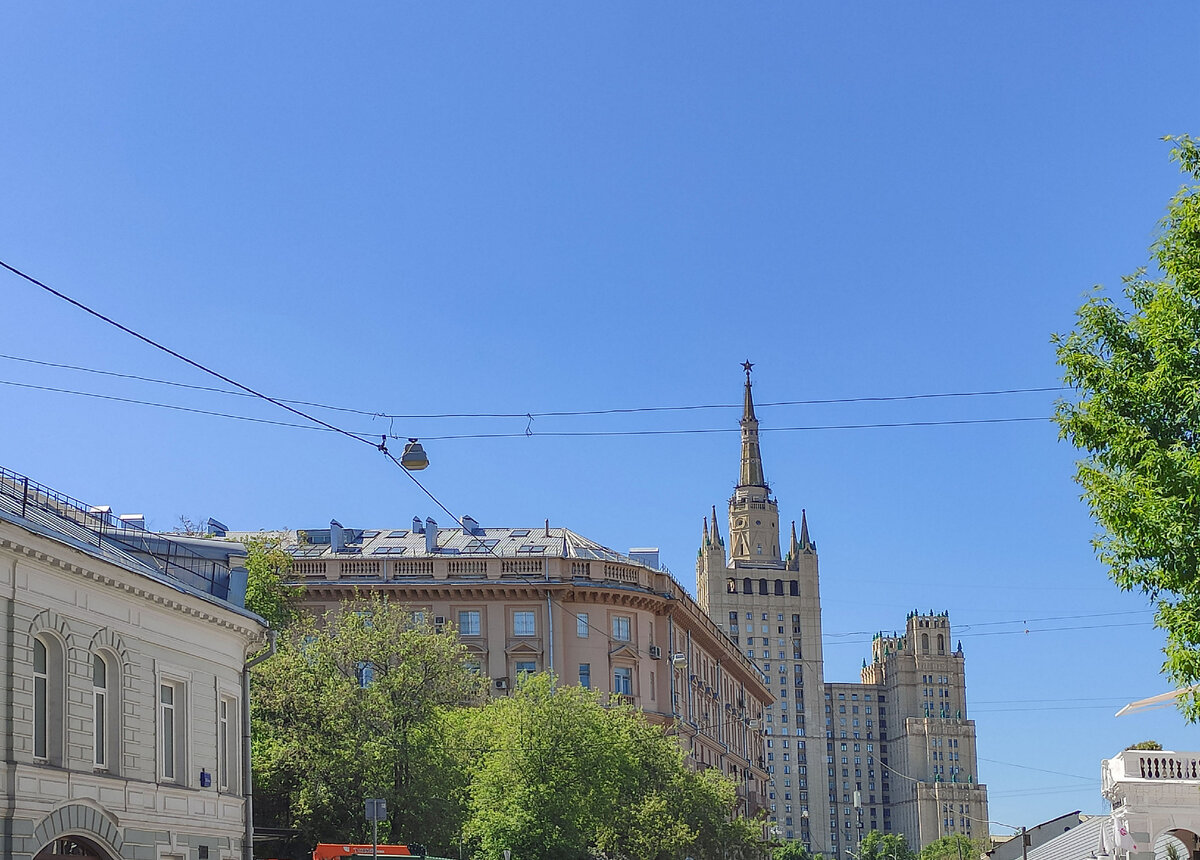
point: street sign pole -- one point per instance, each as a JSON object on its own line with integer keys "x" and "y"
{"x": 376, "y": 810}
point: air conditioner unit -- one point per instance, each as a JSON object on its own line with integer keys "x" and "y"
{"x": 655, "y": 652}
{"x": 501, "y": 683}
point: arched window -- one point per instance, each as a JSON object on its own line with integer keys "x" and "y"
{"x": 941, "y": 642}
{"x": 48, "y": 699}
{"x": 106, "y": 709}
{"x": 747, "y": 586}
{"x": 925, "y": 642}
{"x": 794, "y": 588}
{"x": 779, "y": 587}
{"x": 731, "y": 585}
{"x": 762, "y": 586}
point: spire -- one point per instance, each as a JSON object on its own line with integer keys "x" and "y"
{"x": 716, "y": 535}
{"x": 804, "y": 539}
{"x": 752, "y": 470}
{"x": 793, "y": 547}
{"x": 705, "y": 542}
{"x": 748, "y": 401}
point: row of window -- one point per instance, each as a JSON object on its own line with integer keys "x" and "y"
{"x": 524, "y": 623}
{"x": 49, "y": 709}
{"x": 764, "y": 587}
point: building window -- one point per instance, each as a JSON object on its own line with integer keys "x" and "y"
{"x": 468, "y": 622}
{"x": 585, "y": 675}
{"x": 620, "y": 628}
{"x": 582, "y": 628}
{"x": 47, "y": 699}
{"x": 105, "y": 712}
{"x": 623, "y": 681}
{"x": 170, "y": 725}
{"x": 41, "y": 684}
{"x": 523, "y": 623}
{"x": 227, "y": 747}
{"x": 525, "y": 667}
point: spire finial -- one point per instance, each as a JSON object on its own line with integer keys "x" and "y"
{"x": 804, "y": 539}
{"x": 752, "y": 470}
{"x": 706, "y": 531}
{"x": 748, "y": 400}
{"x": 716, "y": 534}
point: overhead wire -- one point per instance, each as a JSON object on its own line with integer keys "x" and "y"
{"x": 526, "y": 434}
{"x": 560, "y": 413}
{"x": 151, "y": 342}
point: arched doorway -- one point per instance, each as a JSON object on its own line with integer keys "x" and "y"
{"x": 1176, "y": 844}
{"x": 76, "y": 848}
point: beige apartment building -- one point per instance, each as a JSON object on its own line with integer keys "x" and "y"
{"x": 122, "y": 698}
{"x": 893, "y": 752}
{"x": 548, "y": 599}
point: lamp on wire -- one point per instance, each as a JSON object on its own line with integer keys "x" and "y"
{"x": 414, "y": 458}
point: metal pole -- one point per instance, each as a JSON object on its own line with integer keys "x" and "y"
{"x": 374, "y": 838}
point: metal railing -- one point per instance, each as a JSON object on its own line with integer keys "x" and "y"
{"x": 98, "y": 527}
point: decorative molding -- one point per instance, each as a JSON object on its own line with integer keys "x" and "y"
{"x": 252, "y": 634}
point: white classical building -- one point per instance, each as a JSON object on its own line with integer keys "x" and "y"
{"x": 124, "y": 656}
{"x": 1155, "y": 798}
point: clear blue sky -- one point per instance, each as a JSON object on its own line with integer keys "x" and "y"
{"x": 430, "y": 208}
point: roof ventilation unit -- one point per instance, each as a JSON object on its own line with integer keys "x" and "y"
{"x": 431, "y": 536}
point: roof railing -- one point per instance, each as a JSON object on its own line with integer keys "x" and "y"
{"x": 99, "y": 527}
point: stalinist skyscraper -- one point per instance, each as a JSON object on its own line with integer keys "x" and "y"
{"x": 893, "y": 752}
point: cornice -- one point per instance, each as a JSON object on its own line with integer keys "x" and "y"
{"x": 167, "y": 600}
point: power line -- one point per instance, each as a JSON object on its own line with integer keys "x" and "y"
{"x": 362, "y": 435}
{"x": 1038, "y": 769}
{"x": 151, "y": 342}
{"x": 136, "y": 402}
{"x": 548, "y": 413}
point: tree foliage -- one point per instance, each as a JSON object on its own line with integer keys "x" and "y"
{"x": 560, "y": 776}
{"x": 359, "y": 705}
{"x": 1136, "y": 366}
{"x": 793, "y": 850}
{"x": 267, "y": 590}
{"x": 956, "y": 846}
{"x": 1145, "y": 745}
{"x": 884, "y": 846}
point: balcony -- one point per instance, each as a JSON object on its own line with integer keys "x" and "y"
{"x": 1139, "y": 777}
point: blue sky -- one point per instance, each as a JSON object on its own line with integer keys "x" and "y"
{"x": 477, "y": 208}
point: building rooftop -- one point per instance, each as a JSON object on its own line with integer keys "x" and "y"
{"x": 195, "y": 566}
{"x": 414, "y": 542}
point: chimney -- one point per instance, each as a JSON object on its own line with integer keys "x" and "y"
{"x": 469, "y": 526}
{"x": 417, "y": 527}
{"x": 217, "y": 528}
{"x": 547, "y": 527}
{"x": 431, "y": 536}
{"x": 135, "y": 521}
{"x": 337, "y": 536}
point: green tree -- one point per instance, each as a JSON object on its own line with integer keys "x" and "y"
{"x": 957, "y": 846}
{"x": 884, "y": 846}
{"x": 267, "y": 590}
{"x": 1136, "y": 367}
{"x": 360, "y": 705}
{"x": 562, "y": 777}
{"x": 791, "y": 851}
